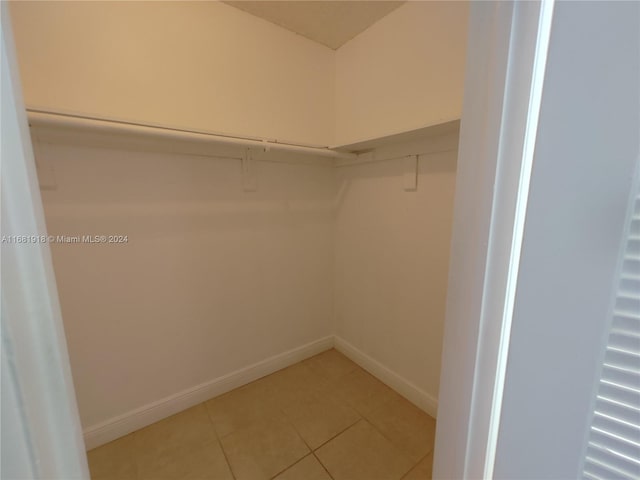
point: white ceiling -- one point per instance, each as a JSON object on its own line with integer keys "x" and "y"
{"x": 331, "y": 23}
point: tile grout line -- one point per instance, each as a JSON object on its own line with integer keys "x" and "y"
{"x": 292, "y": 465}
{"x": 390, "y": 440}
{"x": 311, "y": 449}
{"x": 414, "y": 467}
{"x": 363, "y": 418}
{"x": 337, "y": 434}
{"x": 322, "y": 465}
{"x": 224, "y": 454}
{"x": 281, "y": 414}
{"x": 134, "y": 455}
{"x": 290, "y": 422}
{"x": 323, "y": 392}
{"x": 396, "y": 446}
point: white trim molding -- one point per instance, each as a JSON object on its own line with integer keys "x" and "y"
{"x": 116, "y": 427}
{"x": 506, "y": 61}
{"x": 423, "y": 400}
{"x": 121, "y": 425}
{"x": 523, "y": 149}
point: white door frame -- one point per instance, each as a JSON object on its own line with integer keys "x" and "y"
{"x": 41, "y": 433}
{"x": 506, "y": 59}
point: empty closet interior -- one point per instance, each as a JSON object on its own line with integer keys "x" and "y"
{"x": 233, "y": 192}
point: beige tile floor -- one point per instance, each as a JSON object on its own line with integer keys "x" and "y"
{"x": 321, "y": 419}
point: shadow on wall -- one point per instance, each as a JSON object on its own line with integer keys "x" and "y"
{"x": 437, "y": 163}
{"x": 391, "y": 250}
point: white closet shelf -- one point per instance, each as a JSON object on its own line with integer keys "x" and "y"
{"x": 62, "y": 127}
{"x": 443, "y": 128}
{"x": 57, "y": 126}
{"x": 429, "y": 140}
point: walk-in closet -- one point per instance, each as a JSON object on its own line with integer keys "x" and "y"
{"x": 249, "y": 207}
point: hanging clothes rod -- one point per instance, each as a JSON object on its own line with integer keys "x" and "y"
{"x": 45, "y": 118}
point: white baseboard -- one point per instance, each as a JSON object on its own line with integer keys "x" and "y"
{"x": 415, "y": 395}
{"x": 121, "y": 425}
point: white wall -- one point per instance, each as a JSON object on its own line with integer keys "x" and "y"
{"x": 403, "y": 73}
{"x": 391, "y": 263}
{"x": 209, "y": 66}
{"x": 198, "y": 65}
{"x": 212, "y": 279}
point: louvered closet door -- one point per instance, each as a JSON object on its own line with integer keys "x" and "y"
{"x": 613, "y": 449}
